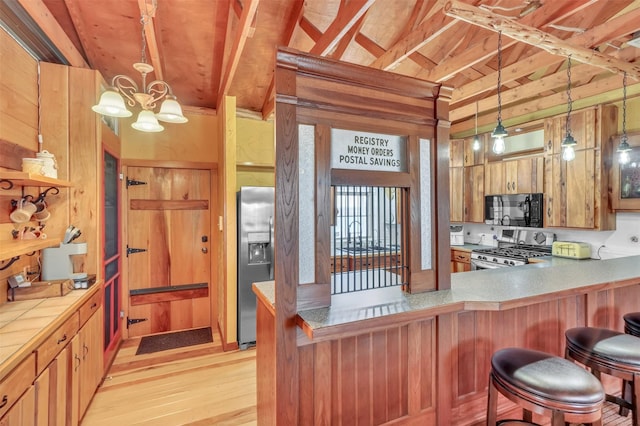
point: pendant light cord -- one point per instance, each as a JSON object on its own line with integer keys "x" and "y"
{"x": 499, "y": 76}
{"x": 569, "y": 100}
{"x": 477, "y": 117}
{"x": 624, "y": 108}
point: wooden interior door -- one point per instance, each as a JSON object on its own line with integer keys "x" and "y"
{"x": 168, "y": 250}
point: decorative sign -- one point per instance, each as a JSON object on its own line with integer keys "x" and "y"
{"x": 355, "y": 150}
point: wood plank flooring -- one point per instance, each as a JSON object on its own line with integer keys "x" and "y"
{"x": 197, "y": 385}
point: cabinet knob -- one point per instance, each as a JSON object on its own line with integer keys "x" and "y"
{"x": 63, "y": 339}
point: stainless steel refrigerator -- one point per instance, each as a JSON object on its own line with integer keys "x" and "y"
{"x": 255, "y": 254}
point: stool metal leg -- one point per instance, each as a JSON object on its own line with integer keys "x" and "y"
{"x": 492, "y": 403}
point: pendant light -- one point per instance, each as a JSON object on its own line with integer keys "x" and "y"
{"x": 499, "y": 133}
{"x": 569, "y": 142}
{"x": 476, "y": 138}
{"x": 624, "y": 148}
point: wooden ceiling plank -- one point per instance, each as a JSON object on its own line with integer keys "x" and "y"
{"x": 242, "y": 30}
{"x": 347, "y": 39}
{"x": 347, "y": 17}
{"x": 607, "y": 31}
{"x": 426, "y": 32}
{"x": 537, "y": 38}
{"x": 376, "y": 50}
{"x": 39, "y": 12}
{"x": 150, "y": 36}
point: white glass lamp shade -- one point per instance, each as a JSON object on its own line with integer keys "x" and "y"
{"x": 147, "y": 122}
{"x": 498, "y": 145}
{"x": 171, "y": 112}
{"x": 112, "y": 104}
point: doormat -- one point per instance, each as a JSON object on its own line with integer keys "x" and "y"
{"x": 164, "y": 342}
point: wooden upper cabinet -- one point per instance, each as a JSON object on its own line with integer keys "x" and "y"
{"x": 474, "y": 194}
{"x": 456, "y": 194}
{"x": 576, "y": 192}
{"x": 495, "y": 182}
{"x": 471, "y": 157}
{"x": 456, "y": 152}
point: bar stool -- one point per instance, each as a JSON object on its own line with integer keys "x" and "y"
{"x": 544, "y": 384}
{"x": 612, "y": 353}
{"x": 632, "y": 323}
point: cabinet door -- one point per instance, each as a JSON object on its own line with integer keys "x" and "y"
{"x": 471, "y": 157}
{"x": 43, "y": 392}
{"x": 474, "y": 194}
{"x": 23, "y": 412}
{"x": 570, "y": 191}
{"x": 495, "y": 179}
{"x": 524, "y": 175}
{"x": 91, "y": 366}
{"x": 456, "y": 153}
{"x": 456, "y": 194}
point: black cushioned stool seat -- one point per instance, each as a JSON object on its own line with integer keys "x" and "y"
{"x": 632, "y": 323}
{"x": 545, "y": 384}
{"x": 609, "y": 352}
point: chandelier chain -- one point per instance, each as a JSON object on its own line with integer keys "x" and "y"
{"x": 143, "y": 55}
{"x": 569, "y": 100}
{"x": 624, "y": 107}
{"x": 499, "y": 75}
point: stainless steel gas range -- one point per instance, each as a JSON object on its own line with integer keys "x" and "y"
{"x": 505, "y": 256}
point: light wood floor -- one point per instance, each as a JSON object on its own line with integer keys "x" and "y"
{"x": 198, "y": 385}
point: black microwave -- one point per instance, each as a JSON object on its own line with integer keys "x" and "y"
{"x": 514, "y": 210}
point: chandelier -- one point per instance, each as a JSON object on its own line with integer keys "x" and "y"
{"x": 112, "y": 102}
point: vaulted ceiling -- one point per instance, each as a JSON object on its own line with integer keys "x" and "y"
{"x": 206, "y": 49}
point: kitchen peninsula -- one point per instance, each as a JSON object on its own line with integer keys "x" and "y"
{"x": 426, "y": 356}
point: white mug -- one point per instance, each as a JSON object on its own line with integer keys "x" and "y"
{"x": 23, "y": 212}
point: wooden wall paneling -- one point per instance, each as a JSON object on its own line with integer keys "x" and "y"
{"x": 55, "y": 128}
{"x": 444, "y": 354}
{"x": 266, "y": 363}
{"x": 18, "y": 94}
{"x": 85, "y": 165}
{"x": 323, "y": 384}
{"x": 307, "y": 385}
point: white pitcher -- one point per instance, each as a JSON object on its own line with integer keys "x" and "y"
{"x": 50, "y": 168}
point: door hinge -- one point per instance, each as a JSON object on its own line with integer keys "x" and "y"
{"x": 134, "y": 250}
{"x": 131, "y": 321}
{"x": 132, "y": 182}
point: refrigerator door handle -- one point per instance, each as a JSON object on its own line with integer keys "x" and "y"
{"x": 271, "y": 248}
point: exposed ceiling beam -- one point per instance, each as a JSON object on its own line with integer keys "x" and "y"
{"x": 537, "y": 38}
{"x": 485, "y": 48}
{"x": 294, "y": 18}
{"x": 242, "y": 30}
{"x": 147, "y": 9}
{"x": 610, "y": 30}
{"x": 42, "y": 16}
{"x": 348, "y": 16}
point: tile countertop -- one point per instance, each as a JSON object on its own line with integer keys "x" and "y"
{"x": 26, "y": 324}
{"x": 491, "y": 289}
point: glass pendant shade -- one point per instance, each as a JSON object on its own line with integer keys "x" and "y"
{"x": 112, "y": 104}
{"x": 498, "y": 135}
{"x": 147, "y": 122}
{"x": 568, "y": 153}
{"x": 623, "y": 152}
{"x": 171, "y": 112}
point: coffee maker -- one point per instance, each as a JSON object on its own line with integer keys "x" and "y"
{"x": 57, "y": 262}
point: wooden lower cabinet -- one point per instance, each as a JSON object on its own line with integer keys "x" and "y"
{"x": 23, "y": 412}
{"x": 90, "y": 359}
{"x": 460, "y": 260}
{"x": 65, "y": 386}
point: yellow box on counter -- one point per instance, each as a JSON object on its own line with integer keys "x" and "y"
{"x": 41, "y": 290}
{"x": 571, "y": 249}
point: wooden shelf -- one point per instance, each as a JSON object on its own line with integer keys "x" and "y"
{"x": 30, "y": 179}
{"x": 12, "y": 248}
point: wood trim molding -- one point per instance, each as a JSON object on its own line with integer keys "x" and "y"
{"x": 132, "y": 162}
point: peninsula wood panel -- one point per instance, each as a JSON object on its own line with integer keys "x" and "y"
{"x": 375, "y": 377}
